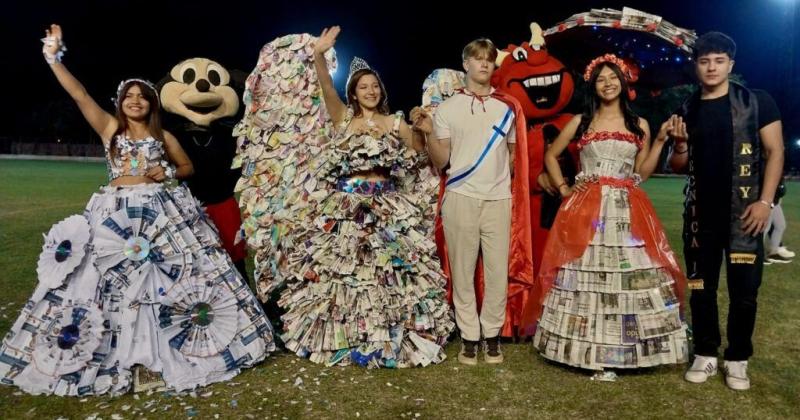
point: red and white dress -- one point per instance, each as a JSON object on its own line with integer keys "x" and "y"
{"x": 610, "y": 288}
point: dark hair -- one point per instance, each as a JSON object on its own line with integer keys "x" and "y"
{"x": 714, "y": 42}
{"x": 153, "y": 118}
{"x": 593, "y": 102}
{"x": 383, "y": 104}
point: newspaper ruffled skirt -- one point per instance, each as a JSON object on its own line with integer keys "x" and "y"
{"x": 138, "y": 279}
{"x": 373, "y": 294}
{"x": 614, "y": 306}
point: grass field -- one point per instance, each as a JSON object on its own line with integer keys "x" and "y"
{"x": 34, "y": 195}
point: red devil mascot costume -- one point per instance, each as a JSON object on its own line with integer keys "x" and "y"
{"x": 543, "y": 86}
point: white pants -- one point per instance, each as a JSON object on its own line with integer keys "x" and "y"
{"x": 777, "y": 221}
{"x": 472, "y": 225}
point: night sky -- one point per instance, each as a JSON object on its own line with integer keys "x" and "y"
{"x": 112, "y": 40}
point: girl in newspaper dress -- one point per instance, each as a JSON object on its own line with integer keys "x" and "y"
{"x": 362, "y": 283}
{"x": 139, "y": 280}
{"x": 610, "y": 291}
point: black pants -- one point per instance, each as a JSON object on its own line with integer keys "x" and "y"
{"x": 743, "y": 283}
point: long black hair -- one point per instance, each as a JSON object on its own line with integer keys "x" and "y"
{"x": 593, "y": 102}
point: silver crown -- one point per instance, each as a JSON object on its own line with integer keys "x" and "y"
{"x": 357, "y": 64}
{"x": 124, "y": 83}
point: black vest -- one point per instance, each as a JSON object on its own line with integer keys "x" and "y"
{"x": 745, "y": 181}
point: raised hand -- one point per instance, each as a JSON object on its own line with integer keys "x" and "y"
{"x": 326, "y": 39}
{"x": 673, "y": 127}
{"x": 679, "y": 132}
{"x": 53, "y": 44}
{"x": 421, "y": 120}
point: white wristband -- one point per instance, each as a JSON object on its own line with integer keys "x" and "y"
{"x": 49, "y": 42}
{"x": 169, "y": 170}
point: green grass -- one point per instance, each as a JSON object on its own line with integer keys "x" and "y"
{"x": 34, "y": 195}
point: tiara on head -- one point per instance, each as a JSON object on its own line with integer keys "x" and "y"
{"x": 357, "y": 64}
{"x": 607, "y": 58}
{"x": 124, "y": 83}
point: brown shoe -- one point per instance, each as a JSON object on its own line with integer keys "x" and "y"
{"x": 469, "y": 352}
{"x": 492, "y": 352}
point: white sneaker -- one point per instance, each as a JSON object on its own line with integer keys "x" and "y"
{"x": 777, "y": 258}
{"x": 702, "y": 368}
{"x": 785, "y": 253}
{"x": 736, "y": 375}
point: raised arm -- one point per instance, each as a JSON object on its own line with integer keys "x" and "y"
{"x": 103, "y": 123}
{"x": 333, "y": 103}
{"x": 414, "y": 139}
{"x": 438, "y": 149}
{"x": 673, "y": 127}
{"x": 679, "y": 155}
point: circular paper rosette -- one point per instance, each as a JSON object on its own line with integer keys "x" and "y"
{"x": 69, "y": 339}
{"x": 141, "y": 252}
{"x": 200, "y": 315}
{"x": 63, "y": 250}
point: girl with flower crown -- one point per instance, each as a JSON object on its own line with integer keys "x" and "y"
{"x": 610, "y": 290}
{"x": 139, "y": 280}
{"x": 370, "y": 291}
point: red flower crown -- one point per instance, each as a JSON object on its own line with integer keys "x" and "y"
{"x": 607, "y": 58}
{"x": 611, "y": 58}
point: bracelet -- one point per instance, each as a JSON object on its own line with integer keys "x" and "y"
{"x": 563, "y": 184}
{"x": 169, "y": 170}
{"x": 768, "y": 204}
{"x": 49, "y": 42}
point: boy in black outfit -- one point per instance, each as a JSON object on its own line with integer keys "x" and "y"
{"x": 733, "y": 154}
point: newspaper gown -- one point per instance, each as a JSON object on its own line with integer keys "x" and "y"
{"x": 352, "y": 263}
{"x": 611, "y": 287}
{"x": 138, "y": 279}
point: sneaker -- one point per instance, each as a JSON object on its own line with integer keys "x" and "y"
{"x": 736, "y": 375}
{"x": 778, "y": 258}
{"x": 469, "y": 352}
{"x": 492, "y": 353}
{"x": 785, "y": 253}
{"x": 702, "y": 368}
{"x": 767, "y": 262}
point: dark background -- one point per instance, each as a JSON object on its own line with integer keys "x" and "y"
{"x": 112, "y": 40}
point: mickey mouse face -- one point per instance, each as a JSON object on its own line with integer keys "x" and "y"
{"x": 199, "y": 91}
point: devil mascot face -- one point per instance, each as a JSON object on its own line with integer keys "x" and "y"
{"x": 544, "y": 87}
{"x": 541, "y": 84}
